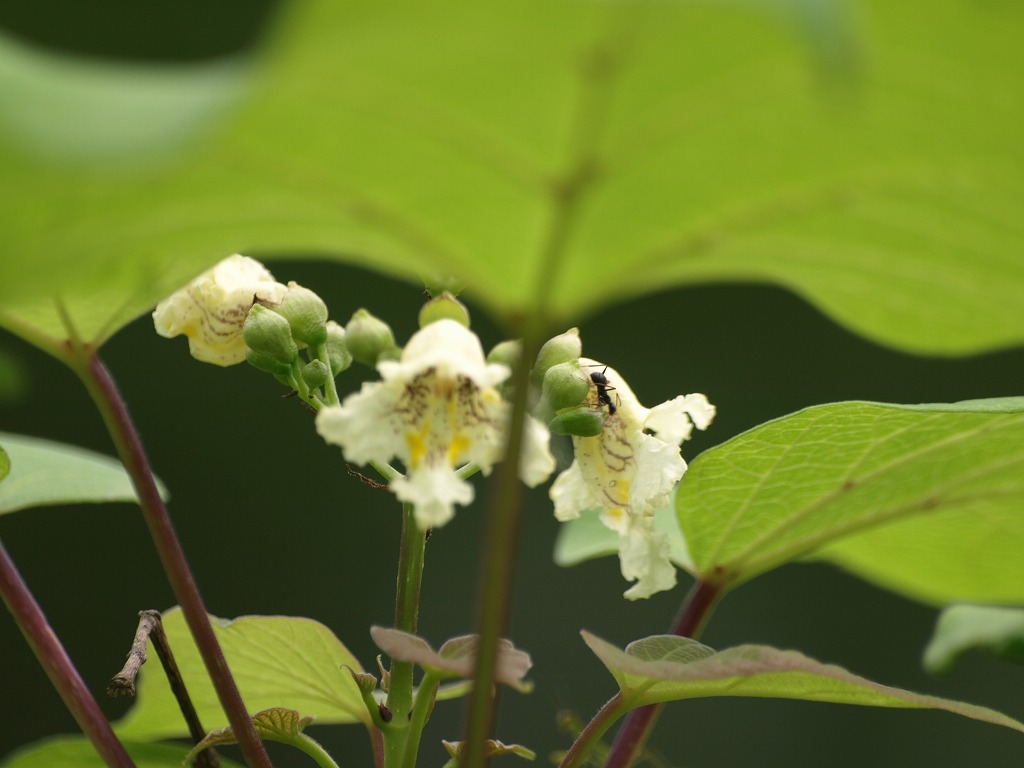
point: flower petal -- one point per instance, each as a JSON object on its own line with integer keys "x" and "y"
{"x": 658, "y": 468}
{"x": 571, "y": 494}
{"x": 644, "y": 558}
{"x": 535, "y": 462}
{"x": 433, "y": 491}
{"x": 364, "y": 425}
{"x": 211, "y": 310}
{"x": 449, "y": 349}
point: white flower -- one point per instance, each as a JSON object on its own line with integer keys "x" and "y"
{"x": 211, "y": 310}
{"x": 629, "y": 472}
{"x": 436, "y": 409}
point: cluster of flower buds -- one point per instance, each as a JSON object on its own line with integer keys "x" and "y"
{"x": 564, "y": 400}
{"x": 237, "y": 311}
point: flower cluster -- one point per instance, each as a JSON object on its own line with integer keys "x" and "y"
{"x": 440, "y": 407}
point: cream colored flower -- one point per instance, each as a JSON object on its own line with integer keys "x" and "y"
{"x": 629, "y": 472}
{"x": 435, "y": 410}
{"x": 211, "y": 310}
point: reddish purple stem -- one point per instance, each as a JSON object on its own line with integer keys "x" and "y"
{"x": 111, "y": 405}
{"x": 58, "y": 665}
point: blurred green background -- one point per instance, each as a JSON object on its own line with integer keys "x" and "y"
{"x": 273, "y": 525}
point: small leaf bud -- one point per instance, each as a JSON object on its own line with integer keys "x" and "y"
{"x": 315, "y": 374}
{"x": 366, "y": 682}
{"x": 269, "y": 334}
{"x": 306, "y": 313}
{"x": 561, "y": 349}
{"x": 337, "y": 348}
{"x": 580, "y": 421}
{"x": 565, "y": 385}
{"x": 444, "y": 307}
{"x": 385, "y": 675}
{"x": 368, "y": 338}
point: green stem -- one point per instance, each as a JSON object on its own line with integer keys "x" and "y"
{"x": 58, "y": 665}
{"x": 566, "y": 193}
{"x": 314, "y": 750}
{"x": 84, "y": 361}
{"x": 407, "y": 610}
{"x": 331, "y": 387}
{"x": 636, "y": 729}
{"x": 421, "y": 710}
{"x": 500, "y": 546}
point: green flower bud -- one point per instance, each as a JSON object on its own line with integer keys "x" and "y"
{"x": 444, "y": 307}
{"x": 561, "y": 349}
{"x": 565, "y": 385}
{"x": 435, "y": 284}
{"x": 270, "y": 364}
{"x": 315, "y": 374}
{"x": 269, "y": 335}
{"x": 579, "y": 421}
{"x": 337, "y": 348}
{"x": 368, "y": 338}
{"x": 306, "y": 313}
{"x": 507, "y": 353}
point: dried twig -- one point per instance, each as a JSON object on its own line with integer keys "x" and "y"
{"x": 123, "y": 683}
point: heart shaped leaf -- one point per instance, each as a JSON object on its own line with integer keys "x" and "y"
{"x": 669, "y": 668}
{"x": 78, "y": 752}
{"x": 277, "y": 661}
{"x": 44, "y": 473}
{"x": 794, "y": 485}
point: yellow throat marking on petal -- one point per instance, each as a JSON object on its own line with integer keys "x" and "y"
{"x": 616, "y": 514}
{"x": 417, "y": 443}
{"x": 457, "y": 447}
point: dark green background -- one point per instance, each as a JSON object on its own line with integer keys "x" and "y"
{"x": 274, "y": 525}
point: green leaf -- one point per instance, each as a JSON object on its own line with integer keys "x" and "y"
{"x": 44, "y": 473}
{"x": 277, "y": 661}
{"x": 492, "y": 748}
{"x": 456, "y": 657}
{"x": 587, "y": 537}
{"x": 670, "y": 668}
{"x": 962, "y": 628}
{"x": 77, "y": 752}
{"x": 5, "y": 463}
{"x": 559, "y": 156}
{"x": 796, "y": 484}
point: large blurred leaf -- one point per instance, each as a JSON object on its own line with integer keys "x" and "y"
{"x": 77, "y": 752}
{"x": 44, "y": 473}
{"x": 780, "y": 491}
{"x": 277, "y": 661}
{"x": 558, "y": 154}
{"x": 669, "y": 668}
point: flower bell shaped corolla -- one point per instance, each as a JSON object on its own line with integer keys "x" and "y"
{"x": 211, "y": 310}
{"x": 628, "y": 472}
{"x": 436, "y": 409}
